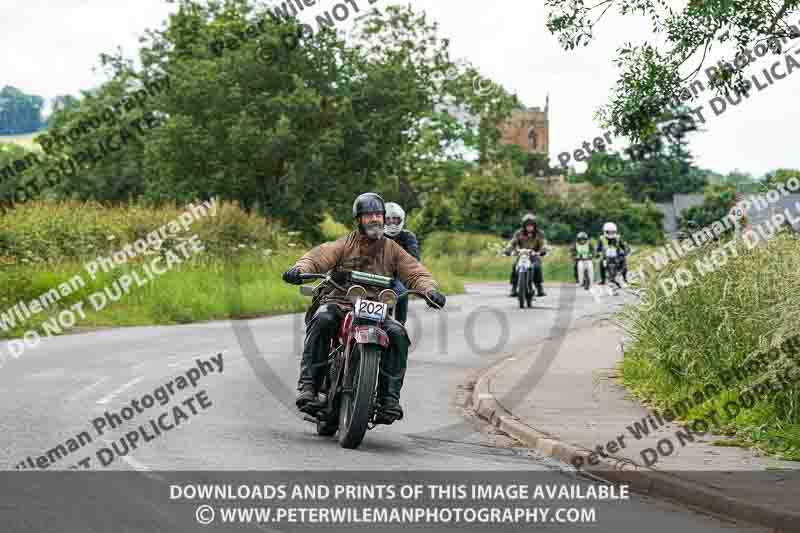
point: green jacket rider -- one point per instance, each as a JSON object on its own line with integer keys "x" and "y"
{"x": 531, "y": 237}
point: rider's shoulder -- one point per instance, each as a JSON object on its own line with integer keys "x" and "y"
{"x": 408, "y": 234}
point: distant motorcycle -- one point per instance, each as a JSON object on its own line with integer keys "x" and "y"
{"x": 349, "y": 387}
{"x": 585, "y": 272}
{"x": 528, "y": 259}
{"x": 613, "y": 260}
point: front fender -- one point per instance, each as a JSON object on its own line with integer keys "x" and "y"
{"x": 370, "y": 335}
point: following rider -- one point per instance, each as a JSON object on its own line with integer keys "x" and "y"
{"x": 531, "y": 237}
{"x": 611, "y": 239}
{"x": 581, "y": 249}
{"x": 395, "y": 218}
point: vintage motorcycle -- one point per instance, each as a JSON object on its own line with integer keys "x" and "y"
{"x": 528, "y": 259}
{"x": 585, "y": 272}
{"x": 350, "y": 382}
{"x": 613, "y": 258}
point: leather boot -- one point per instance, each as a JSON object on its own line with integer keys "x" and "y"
{"x": 390, "y": 380}
{"x": 305, "y": 396}
{"x": 540, "y": 290}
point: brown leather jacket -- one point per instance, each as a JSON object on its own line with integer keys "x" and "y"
{"x": 521, "y": 239}
{"x": 356, "y": 252}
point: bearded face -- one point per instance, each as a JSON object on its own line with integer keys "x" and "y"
{"x": 373, "y": 225}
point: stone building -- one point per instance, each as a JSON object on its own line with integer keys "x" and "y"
{"x": 528, "y": 128}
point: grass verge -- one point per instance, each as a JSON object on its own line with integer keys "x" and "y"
{"x": 203, "y": 289}
{"x": 683, "y": 343}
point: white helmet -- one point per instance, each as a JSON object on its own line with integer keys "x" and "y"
{"x": 610, "y": 230}
{"x": 394, "y": 211}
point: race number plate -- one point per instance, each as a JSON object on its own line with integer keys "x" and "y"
{"x": 611, "y": 252}
{"x": 370, "y": 310}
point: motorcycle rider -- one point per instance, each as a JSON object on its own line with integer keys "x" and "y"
{"x": 363, "y": 250}
{"x": 610, "y": 237}
{"x": 531, "y": 237}
{"x": 581, "y": 249}
{"x": 395, "y": 218}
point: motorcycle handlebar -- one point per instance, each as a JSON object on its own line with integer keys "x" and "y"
{"x": 327, "y": 277}
{"x": 306, "y": 277}
{"x": 424, "y": 296}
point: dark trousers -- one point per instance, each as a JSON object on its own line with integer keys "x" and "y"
{"x": 324, "y": 325}
{"x": 538, "y": 276}
{"x": 401, "y": 309}
{"x": 623, "y": 270}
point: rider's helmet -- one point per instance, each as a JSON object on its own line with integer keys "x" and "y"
{"x": 369, "y": 202}
{"x": 529, "y": 218}
{"x": 395, "y": 218}
{"x": 582, "y": 237}
{"x": 610, "y": 230}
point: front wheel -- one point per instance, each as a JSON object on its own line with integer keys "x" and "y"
{"x": 356, "y": 402}
{"x": 522, "y": 288}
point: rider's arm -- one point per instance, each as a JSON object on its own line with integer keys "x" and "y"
{"x": 322, "y": 258}
{"x": 513, "y": 243}
{"x": 411, "y": 244}
{"x": 542, "y": 241}
{"x": 409, "y": 270}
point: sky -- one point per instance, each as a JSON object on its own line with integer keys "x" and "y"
{"x": 56, "y": 47}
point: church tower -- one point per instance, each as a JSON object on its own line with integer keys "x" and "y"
{"x": 528, "y": 128}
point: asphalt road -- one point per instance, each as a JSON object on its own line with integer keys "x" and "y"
{"x": 245, "y": 418}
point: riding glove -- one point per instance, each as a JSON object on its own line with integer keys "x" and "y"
{"x": 437, "y": 299}
{"x": 293, "y": 276}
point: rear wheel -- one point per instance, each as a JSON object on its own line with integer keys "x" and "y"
{"x": 522, "y": 288}
{"x": 356, "y": 402}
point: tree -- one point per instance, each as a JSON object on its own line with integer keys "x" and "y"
{"x": 655, "y": 77}
{"x": 654, "y": 169}
{"x": 19, "y": 112}
{"x": 717, "y": 204}
{"x": 297, "y": 131}
{"x": 779, "y": 176}
{"x": 495, "y": 203}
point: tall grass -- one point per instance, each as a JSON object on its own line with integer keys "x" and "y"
{"x": 44, "y": 244}
{"x": 682, "y": 343}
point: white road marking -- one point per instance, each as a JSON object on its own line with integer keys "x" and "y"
{"x": 192, "y": 359}
{"x": 125, "y": 387}
{"x": 84, "y": 390}
{"x": 136, "y": 465}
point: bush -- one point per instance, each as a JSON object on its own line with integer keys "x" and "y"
{"x": 54, "y": 232}
{"x": 462, "y": 244}
{"x": 438, "y": 213}
{"x": 495, "y": 204}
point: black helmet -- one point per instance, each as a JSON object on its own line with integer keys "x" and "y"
{"x": 369, "y": 202}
